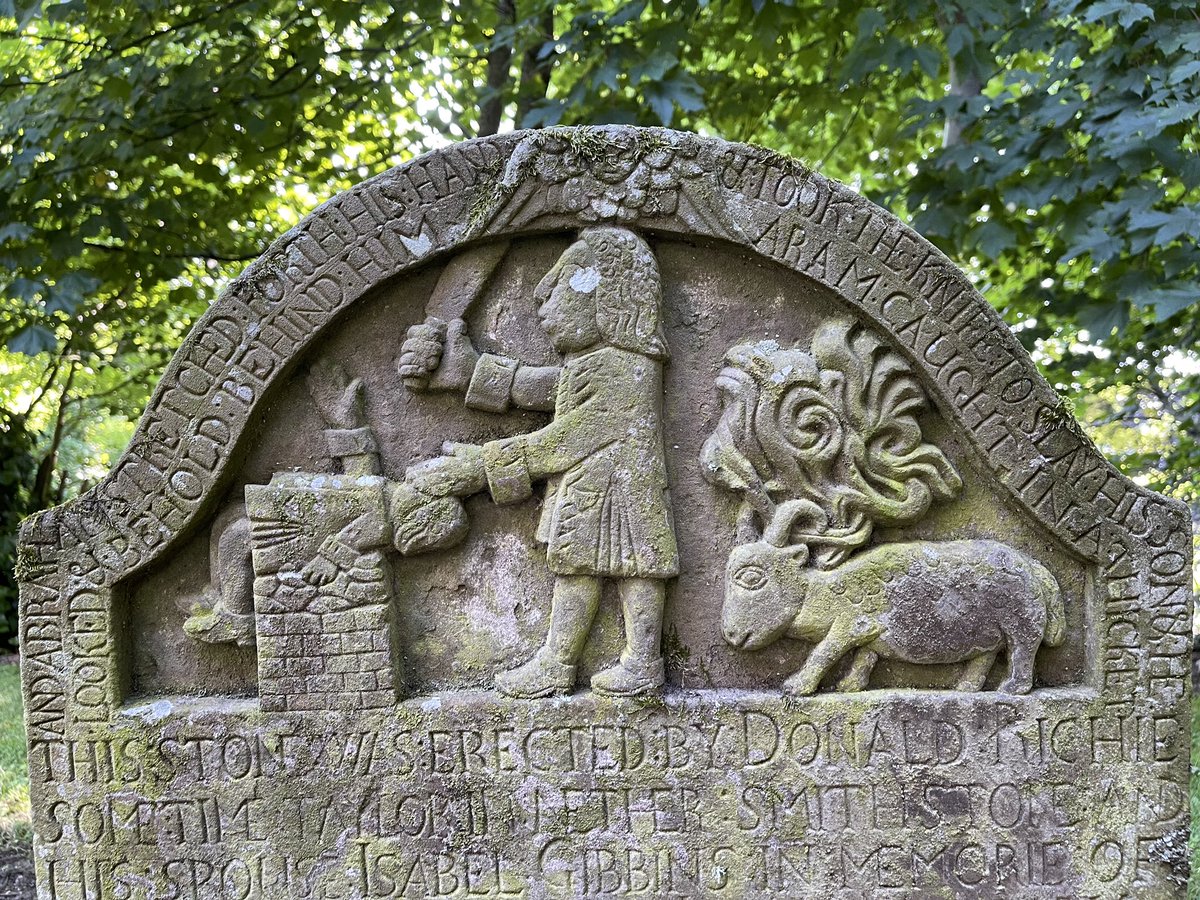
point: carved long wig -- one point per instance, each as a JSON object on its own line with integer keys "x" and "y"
{"x": 835, "y": 427}
{"x": 628, "y": 294}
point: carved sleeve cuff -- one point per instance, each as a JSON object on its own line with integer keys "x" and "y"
{"x": 338, "y": 552}
{"x": 507, "y": 471}
{"x": 535, "y": 387}
{"x": 350, "y": 441}
{"x": 491, "y": 383}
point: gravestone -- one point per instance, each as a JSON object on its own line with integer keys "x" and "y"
{"x": 603, "y": 513}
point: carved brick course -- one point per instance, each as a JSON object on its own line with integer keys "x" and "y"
{"x": 330, "y": 646}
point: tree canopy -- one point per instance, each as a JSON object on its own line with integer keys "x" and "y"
{"x": 149, "y": 149}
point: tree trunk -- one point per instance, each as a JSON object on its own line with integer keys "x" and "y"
{"x": 962, "y": 84}
{"x": 535, "y": 73}
{"x": 499, "y": 61}
{"x": 43, "y": 481}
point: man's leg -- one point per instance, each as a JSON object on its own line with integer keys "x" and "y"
{"x": 552, "y": 669}
{"x": 230, "y": 616}
{"x": 576, "y": 599}
{"x": 640, "y": 670}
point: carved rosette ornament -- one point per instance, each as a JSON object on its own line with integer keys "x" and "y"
{"x": 437, "y": 567}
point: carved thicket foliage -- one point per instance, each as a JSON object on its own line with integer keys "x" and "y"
{"x": 616, "y": 177}
{"x": 837, "y": 427}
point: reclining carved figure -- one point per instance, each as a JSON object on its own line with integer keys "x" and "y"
{"x": 925, "y": 602}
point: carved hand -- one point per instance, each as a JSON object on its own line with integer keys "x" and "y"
{"x": 319, "y": 571}
{"x": 458, "y": 474}
{"x": 350, "y": 409}
{"x": 437, "y": 356}
{"x": 340, "y": 401}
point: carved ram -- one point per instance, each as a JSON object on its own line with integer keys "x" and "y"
{"x": 925, "y": 602}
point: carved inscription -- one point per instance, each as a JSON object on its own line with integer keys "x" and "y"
{"x": 640, "y": 804}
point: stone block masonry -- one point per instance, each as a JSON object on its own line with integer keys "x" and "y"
{"x": 324, "y": 621}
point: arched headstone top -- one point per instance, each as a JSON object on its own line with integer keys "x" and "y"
{"x": 413, "y": 455}
{"x": 558, "y": 179}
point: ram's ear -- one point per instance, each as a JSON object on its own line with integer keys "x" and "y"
{"x": 748, "y": 530}
{"x": 798, "y": 552}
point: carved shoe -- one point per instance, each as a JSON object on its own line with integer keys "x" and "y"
{"x": 630, "y": 678}
{"x": 220, "y": 626}
{"x": 542, "y": 676}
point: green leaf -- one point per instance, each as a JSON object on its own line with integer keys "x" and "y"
{"x": 627, "y": 13}
{"x": 869, "y": 23}
{"x": 684, "y": 92}
{"x": 15, "y": 231}
{"x": 1127, "y": 13}
{"x": 33, "y": 340}
{"x": 544, "y": 114}
{"x": 609, "y": 72}
{"x": 654, "y": 67}
{"x": 1167, "y": 301}
{"x": 958, "y": 40}
{"x": 994, "y": 238}
{"x": 117, "y": 89}
{"x": 70, "y": 290}
{"x": 1184, "y": 71}
{"x": 929, "y": 59}
{"x": 1134, "y": 12}
{"x": 1167, "y": 224}
{"x": 660, "y": 103}
{"x": 25, "y": 289}
{"x": 66, "y": 10}
{"x": 1102, "y": 319}
{"x": 1096, "y": 242}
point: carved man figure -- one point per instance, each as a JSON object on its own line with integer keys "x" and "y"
{"x": 607, "y": 513}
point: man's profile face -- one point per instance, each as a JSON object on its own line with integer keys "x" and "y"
{"x": 568, "y": 308}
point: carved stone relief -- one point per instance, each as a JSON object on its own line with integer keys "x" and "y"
{"x": 603, "y": 513}
{"x": 820, "y": 446}
{"x": 607, "y": 513}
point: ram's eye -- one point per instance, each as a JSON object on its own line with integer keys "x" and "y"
{"x": 752, "y": 578}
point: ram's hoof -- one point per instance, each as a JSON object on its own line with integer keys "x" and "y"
{"x": 799, "y": 687}
{"x": 1013, "y": 686}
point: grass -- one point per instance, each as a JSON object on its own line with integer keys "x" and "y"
{"x": 14, "y": 774}
{"x": 1194, "y": 792}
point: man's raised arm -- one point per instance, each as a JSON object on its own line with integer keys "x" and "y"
{"x": 442, "y": 354}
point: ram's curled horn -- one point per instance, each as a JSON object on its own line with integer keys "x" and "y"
{"x": 835, "y": 428}
{"x": 799, "y": 522}
{"x": 790, "y": 513}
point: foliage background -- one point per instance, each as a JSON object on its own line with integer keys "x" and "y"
{"x": 150, "y": 148}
